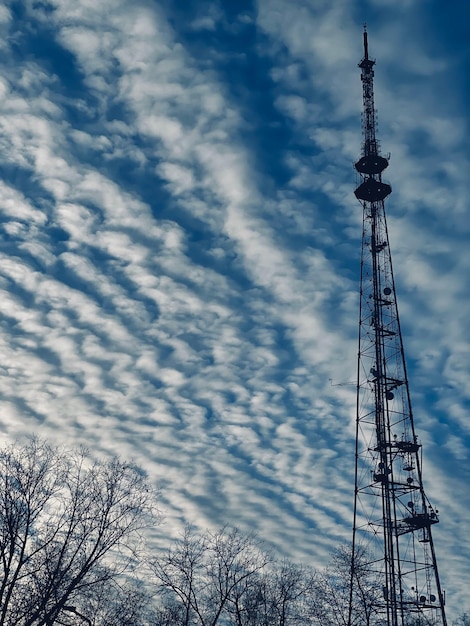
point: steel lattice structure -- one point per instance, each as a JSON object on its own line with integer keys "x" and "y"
{"x": 393, "y": 518}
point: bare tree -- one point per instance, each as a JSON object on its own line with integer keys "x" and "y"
{"x": 278, "y": 596}
{"x": 67, "y": 523}
{"x": 291, "y": 591}
{"x": 124, "y": 601}
{"x": 181, "y": 577}
{"x": 227, "y": 578}
{"x": 462, "y": 620}
{"x": 330, "y": 599}
{"x": 203, "y": 576}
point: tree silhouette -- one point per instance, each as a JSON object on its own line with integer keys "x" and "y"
{"x": 67, "y": 523}
{"x": 72, "y": 552}
{"x": 201, "y": 576}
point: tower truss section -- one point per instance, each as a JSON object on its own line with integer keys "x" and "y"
{"x": 393, "y": 518}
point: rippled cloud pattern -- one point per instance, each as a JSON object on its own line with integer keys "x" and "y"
{"x": 180, "y": 245}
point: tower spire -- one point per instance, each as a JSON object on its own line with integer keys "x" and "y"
{"x": 366, "y": 48}
{"x": 392, "y": 536}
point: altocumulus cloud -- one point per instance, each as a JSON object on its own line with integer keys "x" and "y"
{"x": 180, "y": 250}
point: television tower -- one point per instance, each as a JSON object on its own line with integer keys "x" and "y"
{"x": 392, "y": 539}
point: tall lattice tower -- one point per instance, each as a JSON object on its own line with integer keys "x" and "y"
{"x": 392, "y": 539}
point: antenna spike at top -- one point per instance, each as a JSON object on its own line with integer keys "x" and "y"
{"x": 366, "y": 47}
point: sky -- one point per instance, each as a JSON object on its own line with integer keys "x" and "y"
{"x": 180, "y": 249}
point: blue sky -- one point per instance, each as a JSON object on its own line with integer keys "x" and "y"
{"x": 180, "y": 249}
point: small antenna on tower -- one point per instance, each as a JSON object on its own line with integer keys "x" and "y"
{"x": 366, "y": 47}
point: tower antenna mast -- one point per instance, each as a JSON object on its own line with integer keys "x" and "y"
{"x": 392, "y": 538}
